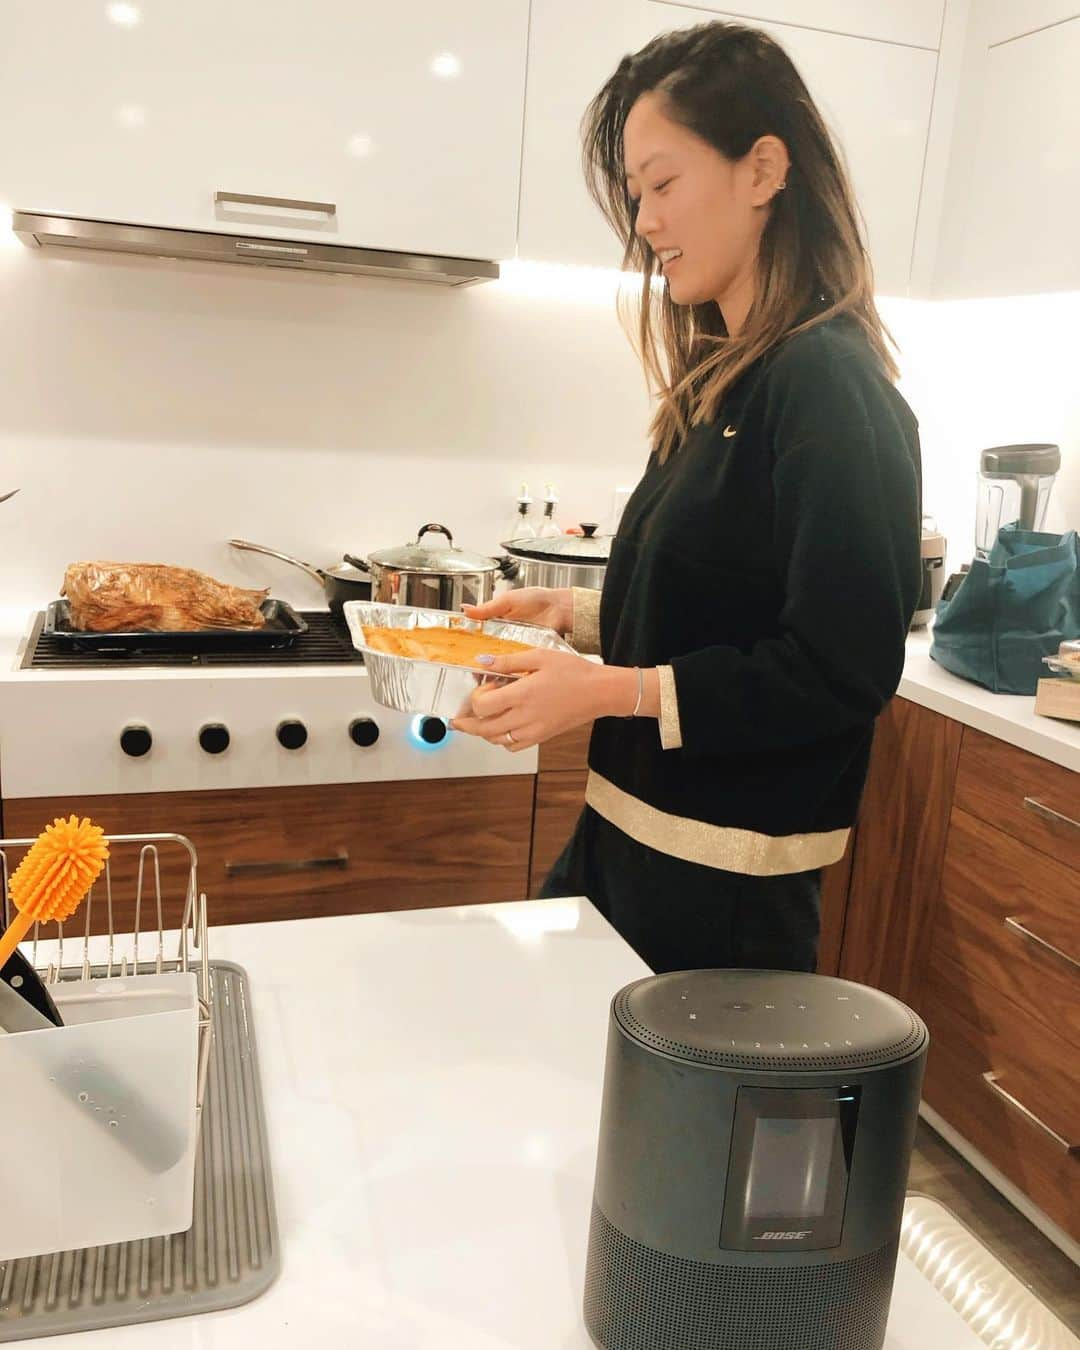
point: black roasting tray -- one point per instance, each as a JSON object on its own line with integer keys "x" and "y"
{"x": 283, "y": 626}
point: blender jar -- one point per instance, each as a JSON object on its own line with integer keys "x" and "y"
{"x": 1014, "y": 489}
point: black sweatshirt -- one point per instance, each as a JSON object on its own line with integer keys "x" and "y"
{"x": 773, "y": 563}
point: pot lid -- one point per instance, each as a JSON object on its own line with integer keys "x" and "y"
{"x": 345, "y": 571}
{"x": 421, "y": 557}
{"x": 590, "y": 548}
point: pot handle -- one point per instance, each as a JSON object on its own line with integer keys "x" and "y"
{"x": 282, "y": 557}
{"x": 356, "y": 562}
{"x": 435, "y": 529}
{"x": 508, "y": 567}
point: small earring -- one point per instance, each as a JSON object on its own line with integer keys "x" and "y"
{"x": 781, "y": 186}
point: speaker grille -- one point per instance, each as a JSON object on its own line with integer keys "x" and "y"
{"x": 847, "y": 1058}
{"x": 637, "y": 1298}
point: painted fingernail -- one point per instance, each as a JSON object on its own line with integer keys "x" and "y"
{"x": 485, "y": 660}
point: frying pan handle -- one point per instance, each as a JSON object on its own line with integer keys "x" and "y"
{"x": 282, "y": 557}
{"x": 356, "y": 562}
{"x": 435, "y": 529}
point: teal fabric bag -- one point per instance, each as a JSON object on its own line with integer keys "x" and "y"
{"x": 1011, "y": 611}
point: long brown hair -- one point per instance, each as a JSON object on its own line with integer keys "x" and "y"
{"x": 730, "y": 85}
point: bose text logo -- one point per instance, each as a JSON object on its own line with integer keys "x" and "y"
{"x": 784, "y": 1237}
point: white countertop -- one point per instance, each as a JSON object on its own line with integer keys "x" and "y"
{"x": 1009, "y": 717}
{"x": 432, "y": 1086}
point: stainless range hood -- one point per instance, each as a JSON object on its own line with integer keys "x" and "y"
{"x": 46, "y": 231}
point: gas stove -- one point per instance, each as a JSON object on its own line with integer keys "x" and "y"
{"x": 82, "y": 723}
{"x": 326, "y": 642}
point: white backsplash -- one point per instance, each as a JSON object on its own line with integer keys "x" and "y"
{"x": 990, "y": 372}
{"x": 151, "y": 409}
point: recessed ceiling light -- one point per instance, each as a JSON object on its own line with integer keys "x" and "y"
{"x": 360, "y": 145}
{"x": 122, "y": 13}
{"x": 446, "y": 65}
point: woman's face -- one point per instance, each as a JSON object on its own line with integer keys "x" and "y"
{"x": 701, "y": 213}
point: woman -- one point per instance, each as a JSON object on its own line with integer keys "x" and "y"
{"x": 753, "y": 618}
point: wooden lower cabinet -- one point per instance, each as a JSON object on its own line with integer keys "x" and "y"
{"x": 300, "y": 852}
{"x": 963, "y": 903}
{"x": 560, "y": 798}
{"x": 835, "y": 883}
{"x": 1009, "y": 916}
{"x": 899, "y": 847}
{"x": 1007, "y": 1083}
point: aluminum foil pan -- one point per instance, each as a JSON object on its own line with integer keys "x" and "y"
{"x": 409, "y": 685}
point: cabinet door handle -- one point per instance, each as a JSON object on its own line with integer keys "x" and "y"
{"x": 1047, "y": 813}
{"x": 990, "y": 1078}
{"x": 338, "y": 861}
{"x": 289, "y": 203}
{"x": 1017, "y": 927}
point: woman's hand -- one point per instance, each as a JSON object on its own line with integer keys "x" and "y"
{"x": 556, "y": 691}
{"x": 543, "y": 605}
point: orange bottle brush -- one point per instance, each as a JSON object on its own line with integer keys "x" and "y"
{"x": 63, "y": 863}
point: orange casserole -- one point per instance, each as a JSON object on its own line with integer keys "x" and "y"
{"x": 446, "y": 646}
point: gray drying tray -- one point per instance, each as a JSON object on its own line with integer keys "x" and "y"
{"x": 231, "y": 1253}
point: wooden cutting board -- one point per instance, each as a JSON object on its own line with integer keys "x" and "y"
{"x": 1058, "y": 698}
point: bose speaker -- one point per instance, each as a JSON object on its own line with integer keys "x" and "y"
{"x": 754, "y": 1145}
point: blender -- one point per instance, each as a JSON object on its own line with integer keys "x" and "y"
{"x": 1014, "y": 485}
{"x": 1014, "y": 489}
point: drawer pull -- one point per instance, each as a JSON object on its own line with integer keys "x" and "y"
{"x": 991, "y": 1080}
{"x": 273, "y": 867}
{"x": 1047, "y": 813}
{"x": 1017, "y": 927}
{"x": 289, "y": 203}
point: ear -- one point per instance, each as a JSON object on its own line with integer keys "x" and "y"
{"x": 770, "y": 162}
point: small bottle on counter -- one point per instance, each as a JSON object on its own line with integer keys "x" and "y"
{"x": 548, "y": 528}
{"x": 521, "y": 525}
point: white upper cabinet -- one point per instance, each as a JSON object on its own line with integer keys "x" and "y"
{"x": 875, "y": 95}
{"x": 399, "y": 126}
{"x": 876, "y": 98}
{"x": 573, "y": 50}
{"x": 1007, "y": 19}
{"x": 1014, "y": 181}
{"x": 916, "y": 23}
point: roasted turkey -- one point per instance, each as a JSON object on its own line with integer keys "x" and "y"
{"x": 110, "y": 597}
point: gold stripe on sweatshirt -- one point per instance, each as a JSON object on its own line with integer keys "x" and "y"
{"x": 722, "y": 846}
{"x": 670, "y": 726}
{"x": 585, "y": 634}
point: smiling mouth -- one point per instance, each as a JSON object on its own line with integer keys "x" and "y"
{"x": 668, "y": 256}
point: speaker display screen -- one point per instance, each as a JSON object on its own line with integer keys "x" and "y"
{"x": 791, "y": 1162}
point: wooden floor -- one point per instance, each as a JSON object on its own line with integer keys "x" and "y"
{"x": 938, "y": 1170}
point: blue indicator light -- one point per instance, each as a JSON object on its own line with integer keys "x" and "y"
{"x": 428, "y": 733}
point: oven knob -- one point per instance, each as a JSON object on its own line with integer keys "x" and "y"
{"x": 136, "y": 741}
{"x": 292, "y": 735}
{"x": 214, "y": 738}
{"x": 433, "y": 730}
{"x": 364, "y": 731}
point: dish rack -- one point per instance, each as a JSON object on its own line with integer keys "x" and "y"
{"x": 170, "y": 1213}
{"x": 112, "y": 955}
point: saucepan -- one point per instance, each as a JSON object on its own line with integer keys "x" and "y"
{"x": 342, "y": 581}
{"x": 415, "y": 574}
